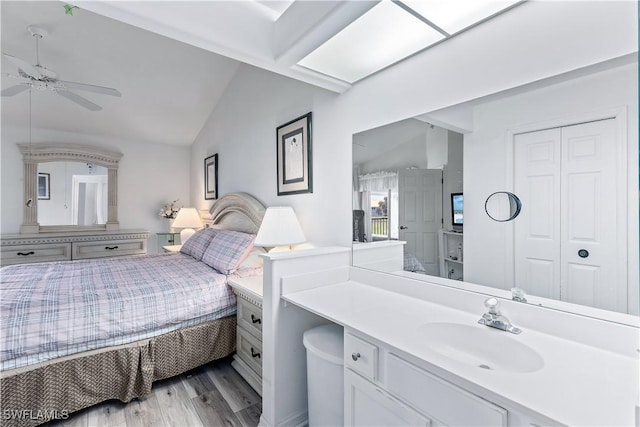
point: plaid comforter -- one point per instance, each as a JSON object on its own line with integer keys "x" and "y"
{"x": 51, "y": 310}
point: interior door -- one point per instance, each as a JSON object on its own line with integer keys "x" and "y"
{"x": 420, "y": 215}
{"x": 589, "y": 210}
{"x": 566, "y": 244}
{"x": 537, "y": 230}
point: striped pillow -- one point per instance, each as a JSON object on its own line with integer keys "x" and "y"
{"x": 198, "y": 243}
{"x": 227, "y": 250}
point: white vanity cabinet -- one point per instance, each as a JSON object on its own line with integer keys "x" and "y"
{"x": 383, "y": 388}
{"x": 367, "y": 404}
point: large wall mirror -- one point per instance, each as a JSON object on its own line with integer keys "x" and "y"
{"x": 564, "y": 147}
{"x": 69, "y": 187}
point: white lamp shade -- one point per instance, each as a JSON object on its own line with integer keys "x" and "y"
{"x": 187, "y": 219}
{"x": 280, "y": 227}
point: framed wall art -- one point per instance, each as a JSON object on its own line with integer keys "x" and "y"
{"x": 294, "y": 156}
{"x": 44, "y": 186}
{"x": 211, "y": 177}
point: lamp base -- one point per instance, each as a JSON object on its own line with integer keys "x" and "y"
{"x": 185, "y": 234}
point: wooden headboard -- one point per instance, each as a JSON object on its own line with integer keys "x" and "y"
{"x": 237, "y": 211}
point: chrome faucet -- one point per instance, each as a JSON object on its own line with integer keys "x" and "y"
{"x": 518, "y": 294}
{"x": 495, "y": 319}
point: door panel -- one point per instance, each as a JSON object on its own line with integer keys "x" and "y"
{"x": 537, "y": 230}
{"x": 589, "y": 193}
{"x": 420, "y": 201}
{"x": 566, "y": 243}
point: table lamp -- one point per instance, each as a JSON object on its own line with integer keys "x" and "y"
{"x": 187, "y": 219}
{"x": 280, "y": 227}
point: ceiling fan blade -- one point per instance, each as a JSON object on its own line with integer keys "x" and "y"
{"x": 79, "y": 100}
{"x": 14, "y": 90}
{"x": 24, "y": 66}
{"x": 91, "y": 88}
{"x": 18, "y": 78}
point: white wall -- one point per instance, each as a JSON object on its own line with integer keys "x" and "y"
{"x": 242, "y": 130}
{"x": 452, "y": 175}
{"x": 486, "y": 254}
{"x": 479, "y": 62}
{"x": 149, "y": 176}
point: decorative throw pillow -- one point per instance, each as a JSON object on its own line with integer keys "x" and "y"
{"x": 227, "y": 250}
{"x": 198, "y": 243}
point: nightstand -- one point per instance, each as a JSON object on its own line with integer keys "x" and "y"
{"x": 172, "y": 248}
{"x": 167, "y": 239}
{"x": 248, "y": 358}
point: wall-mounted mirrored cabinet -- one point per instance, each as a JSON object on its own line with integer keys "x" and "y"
{"x": 69, "y": 187}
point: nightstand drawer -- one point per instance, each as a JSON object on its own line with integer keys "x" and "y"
{"x": 35, "y": 253}
{"x": 249, "y": 349}
{"x": 108, "y": 248}
{"x": 250, "y": 317}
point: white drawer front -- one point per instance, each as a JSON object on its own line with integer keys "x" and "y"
{"x": 439, "y": 399}
{"x": 250, "y": 317}
{"x": 249, "y": 348}
{"x": 107, "y": 248}
{"x": 361, "y": 356}
{"x": 35, "y": 253}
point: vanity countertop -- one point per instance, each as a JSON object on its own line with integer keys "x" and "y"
{"x": 578, "y": 384}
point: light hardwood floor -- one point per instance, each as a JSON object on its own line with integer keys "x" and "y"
{"x": 212, "y": 395}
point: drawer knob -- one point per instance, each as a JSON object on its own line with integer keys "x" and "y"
{"x": 355, "y": 356}
{"x": 26, "y": 253}
{"x": 254, "y": 354}
{"x": 255, "y": 319}
{"x": 110, "y": 248}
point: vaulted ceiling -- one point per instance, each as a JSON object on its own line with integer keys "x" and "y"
{"x": 168, "y": 88}
{"x": 171, "y": 60}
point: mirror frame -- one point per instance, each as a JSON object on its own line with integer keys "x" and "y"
{"x": 33, "y": 154}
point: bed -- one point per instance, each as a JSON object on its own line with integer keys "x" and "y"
{"x": 77, "y": 333}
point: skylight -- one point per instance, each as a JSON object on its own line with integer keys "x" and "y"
{"x": 393, "y": 30}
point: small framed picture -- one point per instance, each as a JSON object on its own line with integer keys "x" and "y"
{"x": 294, "y": 156}
{"x": 211, "y": 177}
{"x": 43, "y": 186}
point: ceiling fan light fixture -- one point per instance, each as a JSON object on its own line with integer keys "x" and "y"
{"x": 41, "y": 78}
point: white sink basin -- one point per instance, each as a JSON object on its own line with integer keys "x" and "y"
{"x": 481, "y": 346}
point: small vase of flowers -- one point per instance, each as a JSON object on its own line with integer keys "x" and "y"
{"x": 169, "y": 211}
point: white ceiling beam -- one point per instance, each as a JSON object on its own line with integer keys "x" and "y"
{"x": 306, "y": 25}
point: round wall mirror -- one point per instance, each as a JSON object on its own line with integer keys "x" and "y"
{"x": 502, "y": 206}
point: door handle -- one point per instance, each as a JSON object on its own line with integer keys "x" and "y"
{"x": 583, "y": 253}
{"x": 402, "y": 227}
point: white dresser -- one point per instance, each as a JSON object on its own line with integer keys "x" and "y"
{"x": 248, "y": 358}
{"x": 44, "y": 247}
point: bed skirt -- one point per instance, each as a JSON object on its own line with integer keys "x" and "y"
{"x": 52, "y": 390}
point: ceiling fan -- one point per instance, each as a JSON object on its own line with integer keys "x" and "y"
{"x": 41, "y": 78}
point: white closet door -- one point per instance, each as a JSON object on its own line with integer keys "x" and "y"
{"x": 420, "y": 200}
{"x": 589, "y": 212}
{"x": 566, "y": 238}
{"x": 537, "y": 164}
